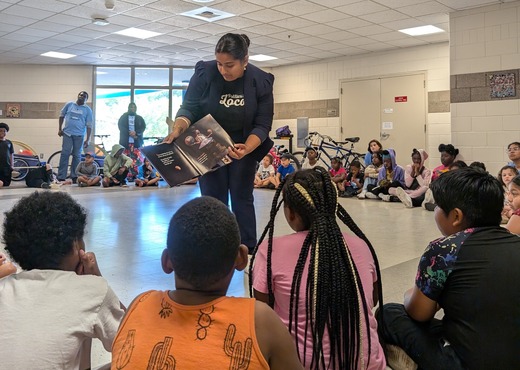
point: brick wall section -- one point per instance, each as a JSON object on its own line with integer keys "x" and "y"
{"x": 31, "y": 110}
{"x": 474, "y": 87}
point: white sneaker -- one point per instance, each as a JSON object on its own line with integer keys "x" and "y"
{"x": 370, "y": 195}
{"x": 385, "y": 197}
{"x": 362, "y": 195}
{"x": 428, "y": 198}
{"x": 404, "y": 197}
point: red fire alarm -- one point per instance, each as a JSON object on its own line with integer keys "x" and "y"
{"x": 401, "y": 99}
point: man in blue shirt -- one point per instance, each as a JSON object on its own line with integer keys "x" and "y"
{"x": 77, "y": 117}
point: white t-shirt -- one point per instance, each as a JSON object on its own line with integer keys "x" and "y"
{"x": 265, "y": 172}
{"x": 49, "y": 317}
{"x": 307, "y": 166}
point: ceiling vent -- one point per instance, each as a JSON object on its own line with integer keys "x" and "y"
{"x": 207, "y": 14}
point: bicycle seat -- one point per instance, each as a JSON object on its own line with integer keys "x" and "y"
{"x": 101, "y": 135}
{"x": 352, "y": 139}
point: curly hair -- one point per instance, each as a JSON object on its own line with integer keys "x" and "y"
{"x": 448, "y": 148}
{"x": 203, "y": 241}
{"x": 40, "y": 230}
{"x": 333, "y": 293}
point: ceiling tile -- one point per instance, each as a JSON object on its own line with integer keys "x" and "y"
{"x": 299, "y": 7}
{"x": 361, "y": 8}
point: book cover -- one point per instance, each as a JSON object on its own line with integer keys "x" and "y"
{"x": 201, "y": 148}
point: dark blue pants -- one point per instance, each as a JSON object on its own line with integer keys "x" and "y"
{"x": 235, "y": 179}
{"x": 422, "y": 341}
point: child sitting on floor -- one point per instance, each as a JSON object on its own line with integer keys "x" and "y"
{"x": 87, "y": 172}
{"x": 311, "y": 158}
{"x": 196, "y": 326}
{"x": 323, "y": 283}
{"x": 371, "y": 174}
{"x": 468, "y": 273}
{"x": 284, "y": 169}
{"x": 146, "y": 175}
{"x": 417, "y": 179}
{"x": 264, "y": 177}
{"x": 391, "y": 175}
{"x": 52, "y": 309}
{"x": 354, "y": 181}
{"x": 505, "y": 175}
{"x": 338, "y": 174}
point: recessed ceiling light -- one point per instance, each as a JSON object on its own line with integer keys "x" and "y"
{"x": 207, "y": 14}
{"x": 100, "y": 21}
{"x": 261, "y": 57}
{"x": 55, "y": 54}
{"x": 138, "y": 33}
{"x": 423, "y": 30}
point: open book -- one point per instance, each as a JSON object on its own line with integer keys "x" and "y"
{"x": 203, "y": 147}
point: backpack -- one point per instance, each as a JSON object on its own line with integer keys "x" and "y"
{"x": 283, "y": 131}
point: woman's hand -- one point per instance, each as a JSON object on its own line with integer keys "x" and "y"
{"x": 239, "y": 151}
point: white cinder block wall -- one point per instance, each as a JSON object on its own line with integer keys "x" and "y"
{"x": 317, "y": 81}
{"x": 41, "y": 83}
{"x": 485, "y": 39}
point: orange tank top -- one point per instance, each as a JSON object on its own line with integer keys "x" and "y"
{"x": 158, "y": 333}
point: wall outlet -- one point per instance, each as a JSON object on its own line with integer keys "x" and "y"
{"x": 41, "y": 155}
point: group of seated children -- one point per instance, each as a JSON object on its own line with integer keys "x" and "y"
{"x": 269, "y": 177}
{"x": 322, "y": 283}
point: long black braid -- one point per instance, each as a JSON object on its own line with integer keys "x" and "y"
{"x": 334, "y": 294}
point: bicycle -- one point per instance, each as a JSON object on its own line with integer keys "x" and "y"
{"x": 327, "y": 148}
{"x": 25, "y": 158}
{"x": 100, "y": 153}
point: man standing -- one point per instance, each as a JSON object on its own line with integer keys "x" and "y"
{"x": 131, "y": 128}
{"x": 77, "y": 117}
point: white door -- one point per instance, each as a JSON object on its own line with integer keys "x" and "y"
{"x": 400, "y": 119}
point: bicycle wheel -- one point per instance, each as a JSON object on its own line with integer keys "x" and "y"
{"x": 298, "y": 159}
{"x": 54, "y": 161}
{"x": 21, "y": 168}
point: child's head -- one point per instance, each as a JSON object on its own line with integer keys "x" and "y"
{"x": 268, "y": 160}
{"x": 377, "y": 159}
{"x": 4, "y": 128}
{"x": 203, "y": 244}
{"x": 416, "y": 157}
{"x": 448, "y": 154}
{"x": 310, "y": 202}
{"x": 467, "y": 198}
{"x": 355, "y": 167}
{"x": 458, "y": 165}
{"x": 480, "y": 165}
{"x": 311, "y": 153}
{"x": 285, "y": 160}
{"x": 45, "y": 231}
{"x": 387, "y": 159}
{"x": 374, "y": 146}
{"x": 89, "y": 157}
{"x": 513, "y": 196}
{"x": 506, "y": 174}
{"x": 335, "y": 163}
{"x": 146, "y": 162}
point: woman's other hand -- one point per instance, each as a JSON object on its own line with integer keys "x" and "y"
{"x": 239, "y": 151}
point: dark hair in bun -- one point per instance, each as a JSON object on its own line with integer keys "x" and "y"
{"x": 449, "y": 148}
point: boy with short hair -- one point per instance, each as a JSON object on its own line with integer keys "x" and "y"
{"x": 311, "y": 158}
{"x": 87, "y": 172}
{"x": 469, "y": 274}
{"x": 52, "y": 309}
{"x": 6, "y": 156}
{"x": 115, "y": 168}
{"x": 285, "y": 169}
{"x": 197, "y": 326}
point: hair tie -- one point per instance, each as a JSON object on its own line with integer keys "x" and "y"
{"x": 305, "y": 194}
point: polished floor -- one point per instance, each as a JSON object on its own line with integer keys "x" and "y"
{"x": 127, "y": 231}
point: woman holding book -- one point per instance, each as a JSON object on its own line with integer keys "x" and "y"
{"x": 240, "y": 98}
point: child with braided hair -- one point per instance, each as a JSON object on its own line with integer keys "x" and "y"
{"x": 321, "y": 282}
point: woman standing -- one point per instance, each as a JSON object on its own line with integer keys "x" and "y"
{"x": 131, "y": 128}
{"x": 240, "y": 97}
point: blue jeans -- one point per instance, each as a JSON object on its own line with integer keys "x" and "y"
{"x": 235, "y": 179}
{"x": 70, "y": 145}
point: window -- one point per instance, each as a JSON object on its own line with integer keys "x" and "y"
{"x": 156, "y": 91}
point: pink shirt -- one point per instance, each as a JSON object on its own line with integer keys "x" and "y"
{"x": 341, "y": 170}
{"x": 285, "y": 254}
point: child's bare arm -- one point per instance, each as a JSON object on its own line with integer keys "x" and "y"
{"x": 274, "y": 340}
{"x": 513, "y": 224}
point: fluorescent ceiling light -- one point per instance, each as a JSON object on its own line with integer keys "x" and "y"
{"x": 100, "y": 22}
{"x": 55, "y": 54}
{"x": 261, "y": 57}
{"x": 207, "y": 14}
{"x": 423, "y": 30}
{"x": 138, "y": 33}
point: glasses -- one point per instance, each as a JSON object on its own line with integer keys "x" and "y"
{"x": 512, "y": 149}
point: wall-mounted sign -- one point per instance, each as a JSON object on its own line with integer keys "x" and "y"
{"x": 401, "y": 99}
{"x": 388, "y": 110}
{"x": 388, "y": 125}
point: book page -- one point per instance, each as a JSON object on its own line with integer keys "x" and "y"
{"x": 170, "y": 162}
{"x": 206, "y": 143}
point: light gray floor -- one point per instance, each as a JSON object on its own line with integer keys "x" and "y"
{"x": 127, "y": 231}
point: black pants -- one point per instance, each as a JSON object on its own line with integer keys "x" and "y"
{"x": 383, "y": 190}
{"x": 37, "y": 176}
{"x": 422, "y": 341}
{"x": 119, "y": 177}
{"x": 235, "y": 179}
